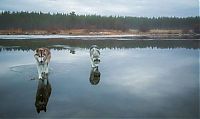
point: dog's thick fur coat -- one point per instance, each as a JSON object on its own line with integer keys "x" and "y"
{"x": 42, "y": 56}
{"x": 94, "y": 56}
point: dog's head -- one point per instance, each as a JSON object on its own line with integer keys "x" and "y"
{"x": 41, "y": 55}
{"x": 96, "y": 60}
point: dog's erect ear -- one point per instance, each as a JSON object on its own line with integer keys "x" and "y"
{"x": 37, "y": 50}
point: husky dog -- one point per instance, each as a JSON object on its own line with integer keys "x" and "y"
{"x": 42, "y": 56}
{"x": 95, "y": 76}
{"x": 94, "y": 56}
{"x": 43, "y": 94}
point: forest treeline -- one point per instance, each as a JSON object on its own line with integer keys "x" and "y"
{"x": 49, "y": 21}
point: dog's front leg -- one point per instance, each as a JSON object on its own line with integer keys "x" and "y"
{"x": 39, "y": 68}
{"x": 93, "y": 64}
{"x": 46, "y": 68}
{"x": 91, "y": 61}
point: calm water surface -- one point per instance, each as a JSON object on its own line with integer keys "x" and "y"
{"x": 146, "y": 82}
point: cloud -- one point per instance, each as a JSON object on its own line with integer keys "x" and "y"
{"x": 149, "y": 8}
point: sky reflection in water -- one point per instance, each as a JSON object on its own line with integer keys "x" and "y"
{"x": 134, "y": 82}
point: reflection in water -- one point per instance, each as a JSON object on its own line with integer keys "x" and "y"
{"x": 43, "y": 94}
{"x": 61, "y": 44}
{"x": 72, "y": 50}
{"x": 142, "y": 88}
{"x": 95, "y": 75}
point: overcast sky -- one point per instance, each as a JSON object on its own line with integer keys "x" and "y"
{"x": 147, "y": 8}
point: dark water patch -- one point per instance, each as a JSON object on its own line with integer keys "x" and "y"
{"x": 59, "y": 43}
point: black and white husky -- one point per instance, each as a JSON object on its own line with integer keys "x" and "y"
{"x": 95, "y": 60}
{"x": 94, "y": 56}
{"x": 42, "y": 56}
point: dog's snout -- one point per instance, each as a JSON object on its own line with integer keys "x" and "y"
{"x": 40, "y": 61}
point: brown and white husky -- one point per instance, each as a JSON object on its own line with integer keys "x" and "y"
{"x": 42, "y": 56}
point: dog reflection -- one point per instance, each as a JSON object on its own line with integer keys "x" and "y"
{"x": 43, "y": 94}
{"x": 72, "y": 50}
{"x": 95, "y": 76}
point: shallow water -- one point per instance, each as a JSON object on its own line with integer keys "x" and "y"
{"x": 148, "y": 82}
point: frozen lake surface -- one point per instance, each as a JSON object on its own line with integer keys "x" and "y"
{"x": 143, "y": 79}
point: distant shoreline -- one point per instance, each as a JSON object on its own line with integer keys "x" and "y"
{"x": 102, "y": 37}
{"x": 96, "y": 32}
{"x": 132, "y": 33}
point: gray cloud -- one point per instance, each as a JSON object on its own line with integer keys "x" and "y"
{"x": 149, "y": 8}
